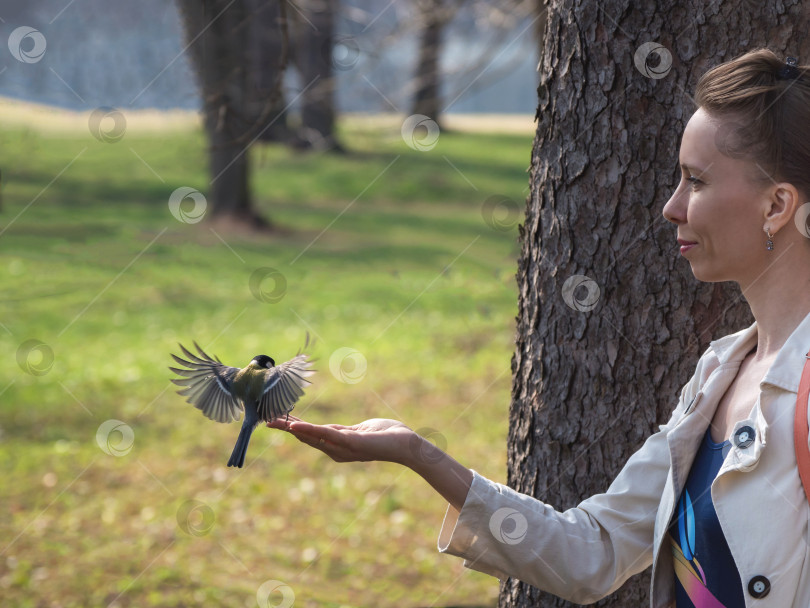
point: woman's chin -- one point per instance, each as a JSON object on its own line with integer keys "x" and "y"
{"x": 705, "y": 275}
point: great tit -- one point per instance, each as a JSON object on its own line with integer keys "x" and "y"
{"x": 265, "y": 391}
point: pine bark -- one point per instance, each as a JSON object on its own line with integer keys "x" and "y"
{"x": 592, "y": 381}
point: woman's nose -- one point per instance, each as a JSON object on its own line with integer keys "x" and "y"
{"x": 675, "y": 209}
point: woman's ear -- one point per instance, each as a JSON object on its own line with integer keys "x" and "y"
{"x": 783, "y": 201}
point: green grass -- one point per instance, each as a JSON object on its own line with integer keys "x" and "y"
{"x": 94, "y": 266}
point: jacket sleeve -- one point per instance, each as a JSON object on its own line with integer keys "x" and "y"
{"x": 581, "y": 554}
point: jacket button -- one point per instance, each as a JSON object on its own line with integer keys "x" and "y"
{"x": 759, "y": 587}
{"x": 744, "y": 437}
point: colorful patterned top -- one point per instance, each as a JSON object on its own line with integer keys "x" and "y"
{"x": 705, "y": 573}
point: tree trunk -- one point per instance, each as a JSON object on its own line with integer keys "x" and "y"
{"x": 426, "y": 96}
{"x": 600, "y": 359}
{"x": 265, "y": 99}
{"x": 216, "y": 31}
{"x": 314, "y": 26}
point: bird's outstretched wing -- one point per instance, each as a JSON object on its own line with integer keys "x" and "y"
{"x": 208, "y": 385}
{"x": 283, "y": 386}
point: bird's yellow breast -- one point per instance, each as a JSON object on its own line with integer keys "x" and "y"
{"x": 248, "y": 384}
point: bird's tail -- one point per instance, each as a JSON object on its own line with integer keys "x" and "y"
{"x": 240, "y": 449}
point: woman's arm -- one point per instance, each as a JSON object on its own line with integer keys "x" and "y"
{"x": 449, "y": 478}
{"x": 386, "y": 440}
{"x": 581, "y": 554}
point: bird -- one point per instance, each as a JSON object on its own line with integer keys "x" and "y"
{"x": 262, "y": 389}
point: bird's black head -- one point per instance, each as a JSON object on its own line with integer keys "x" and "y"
{"x": 264, "y": 361}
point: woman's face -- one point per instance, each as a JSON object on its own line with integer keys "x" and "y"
{"x": 718, "y": 207}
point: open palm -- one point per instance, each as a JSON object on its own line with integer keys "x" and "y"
{"x": 374, "y": 439}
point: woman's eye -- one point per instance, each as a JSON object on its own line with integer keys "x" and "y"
{"x": 695, "y": 181}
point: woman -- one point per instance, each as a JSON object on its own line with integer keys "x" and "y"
{"x": 713, "y": 501}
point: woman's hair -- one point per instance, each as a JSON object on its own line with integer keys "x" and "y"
{"x": 764, "y": 117}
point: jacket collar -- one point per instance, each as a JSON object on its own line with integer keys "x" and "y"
{"x": 786, "y": 369}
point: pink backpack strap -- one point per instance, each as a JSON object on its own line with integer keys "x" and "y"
{"x": 800, "y": 428}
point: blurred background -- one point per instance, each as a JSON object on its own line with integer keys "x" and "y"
{"x": 242, "y": 173}
{"x": 106, "y": 53}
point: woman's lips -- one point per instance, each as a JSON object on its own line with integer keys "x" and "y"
{"x": 685, "y": 245}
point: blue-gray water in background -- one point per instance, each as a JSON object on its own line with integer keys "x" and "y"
{"x": 128, "y": 54}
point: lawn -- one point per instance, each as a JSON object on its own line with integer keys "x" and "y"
{"x": 399, "y": 262}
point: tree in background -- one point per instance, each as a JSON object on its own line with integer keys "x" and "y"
{"x": 216, "y": 31}
{"x": 311, "y": 33}
{"x": 266, "y": 71}
{"x": 431, "y": 24}
{"x": 313, "y": 28}
{"x": 611, "y": 322}
{"x": 432, "y": 17}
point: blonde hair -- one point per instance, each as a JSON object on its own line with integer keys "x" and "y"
{"x": 764, "y": 117}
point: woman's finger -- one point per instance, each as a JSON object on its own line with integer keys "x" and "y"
{"x": 331, "y": 439}
{"x": 282, "y": 423}
{"x": 316, "y": 441}
{"x": 318, "y": 432}
{"x": 307, "y": 440}
{"x": 335, "y": 452}
{"x": 299, "y": 426}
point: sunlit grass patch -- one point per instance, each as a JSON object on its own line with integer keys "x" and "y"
{"x": 101, "y": 282}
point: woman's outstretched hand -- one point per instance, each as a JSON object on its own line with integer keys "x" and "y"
{"x": 388, "y": 440}
{"x": 375, "y": 439}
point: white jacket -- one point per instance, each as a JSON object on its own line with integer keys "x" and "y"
{"x": 588, "y": 551}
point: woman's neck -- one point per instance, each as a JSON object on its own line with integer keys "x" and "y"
{"x": 779, "y": 300}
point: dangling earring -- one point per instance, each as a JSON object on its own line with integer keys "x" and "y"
{"x": 769, "y": 243}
